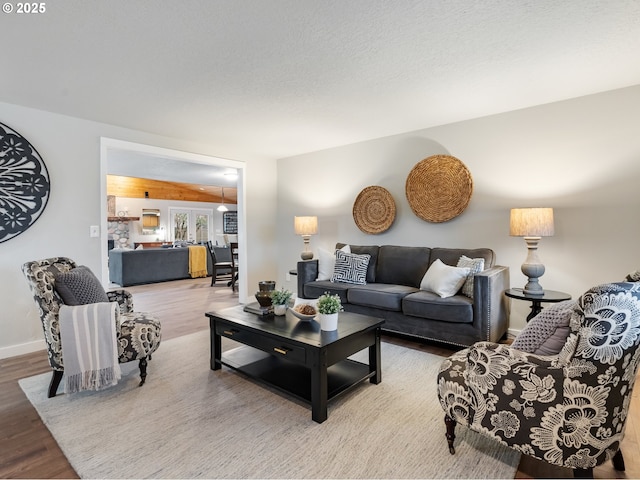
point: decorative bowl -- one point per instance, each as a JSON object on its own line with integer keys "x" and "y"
{"x": 303, "y": 316}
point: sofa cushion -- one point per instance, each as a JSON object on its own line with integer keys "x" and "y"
{"x": 379, "y": 295}
{"x": 79, "y": 286}
{"x": 456, "y": 309}
{"x": 450, "y": 256}
{"x": 368, "y": 250}
{"x": 444, "y": 280}
{"x": 317, "y": 288}
{"x": 475, "y": 265}
{"x": 350, "y": 268}
{"x": 327, "y": 262}
{"x": 402, "y": 265}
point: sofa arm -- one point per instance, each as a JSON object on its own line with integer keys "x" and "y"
{"x": 307, "y": 272}
{"x": 490, "y": 305}
{"x": 124, "y": 299}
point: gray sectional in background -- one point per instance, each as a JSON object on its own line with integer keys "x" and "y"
{"x": 151, "y": 265}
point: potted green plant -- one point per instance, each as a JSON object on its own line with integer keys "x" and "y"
{"x": 280, "y": 300}
{"x": 328, "y": 308}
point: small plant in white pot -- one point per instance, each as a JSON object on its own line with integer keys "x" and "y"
{"x": 328, "y": 308}
{"x": 280, "y": 300}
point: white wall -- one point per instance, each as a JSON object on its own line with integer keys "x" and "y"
{"x": 70, "y": 147}
{"x": 581, "y": 157}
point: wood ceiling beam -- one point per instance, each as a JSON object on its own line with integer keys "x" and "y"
{"x": 132, "y": 187}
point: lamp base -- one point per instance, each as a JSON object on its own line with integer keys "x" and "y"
{"x": 306, "y": 254}
{"x": 533, "y": 288}
{"x": 532, "y": 268}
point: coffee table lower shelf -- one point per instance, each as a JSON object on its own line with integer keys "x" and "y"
{"x": 291, "y": 378}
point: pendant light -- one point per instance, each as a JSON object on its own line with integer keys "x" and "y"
{"x": 223, "y": 207}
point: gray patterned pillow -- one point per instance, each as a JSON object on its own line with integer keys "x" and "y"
{"x": 351, "y": 268}
{"x": 79, "y": 286}
{"x": 475, "y": 265}
{"x": 547, "y": 332}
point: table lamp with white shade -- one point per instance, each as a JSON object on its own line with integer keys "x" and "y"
{"x": 306, "y": 226}
{"x": 532, "y": 224}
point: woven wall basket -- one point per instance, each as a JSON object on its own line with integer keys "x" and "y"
{"x": 439, "y": 188}
{"x": 374, "y": 210}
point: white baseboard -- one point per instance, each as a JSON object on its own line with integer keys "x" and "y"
{"x": 512, "y": 333}
{"x": 22, "y": 349}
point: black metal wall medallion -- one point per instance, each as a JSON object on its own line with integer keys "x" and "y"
{"x": 24, "y": 184}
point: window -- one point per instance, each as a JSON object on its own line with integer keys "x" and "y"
{"x": 202, "y": 227}
{"x": 191, "y": 224}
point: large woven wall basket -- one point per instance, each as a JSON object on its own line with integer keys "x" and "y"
{"x": 374, "y": 210}
{"x": 439, "y": 188}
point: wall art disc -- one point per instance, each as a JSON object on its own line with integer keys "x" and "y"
{"x": 374, "y": 210}
{"x": 24, "y": 184}
{"x": 439, "y": 188}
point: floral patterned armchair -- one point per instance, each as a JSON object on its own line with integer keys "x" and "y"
{"x": 567, "y": 409}
{"x": 138, "y": 333}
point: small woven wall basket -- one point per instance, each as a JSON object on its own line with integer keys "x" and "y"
{"x": 374, "y": 210}
{"x": 439, "y": 188}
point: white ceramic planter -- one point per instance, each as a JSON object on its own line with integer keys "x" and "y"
{"x": 279, "y": 309}
{"x": 328, "y": 321}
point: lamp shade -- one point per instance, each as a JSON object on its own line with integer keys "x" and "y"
{"x": 531, "y": 222}
{"x": 306, "y": 225}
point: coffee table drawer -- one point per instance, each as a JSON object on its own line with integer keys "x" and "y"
{"x": 273, "y": 346}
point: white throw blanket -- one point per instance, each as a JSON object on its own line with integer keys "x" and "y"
{"x": 89, "y": 346}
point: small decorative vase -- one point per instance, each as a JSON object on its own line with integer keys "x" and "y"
{"x": 267, "y": 286}
{"x": 279, "y": 309}
{"x": 264, "y": 298}
{"x": 328, "y": 321}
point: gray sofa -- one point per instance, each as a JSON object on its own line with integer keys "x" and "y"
{"x": 151, "y": 265}
{"x": 392, "y": 291}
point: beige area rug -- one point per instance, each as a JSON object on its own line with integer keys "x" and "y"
{"x": 190, "y": 422}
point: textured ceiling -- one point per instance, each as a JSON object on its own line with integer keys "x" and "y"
{"x": 276, "y": 78}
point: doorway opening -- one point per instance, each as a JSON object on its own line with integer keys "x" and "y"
{"x": 138, "y": 157}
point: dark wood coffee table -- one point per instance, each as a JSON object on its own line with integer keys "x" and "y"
{"x": 295, "y": 356}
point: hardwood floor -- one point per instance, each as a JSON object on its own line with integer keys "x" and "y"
{"x": 27, "y": 449}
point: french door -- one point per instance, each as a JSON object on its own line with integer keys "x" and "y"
{"x": 187, "y": 225}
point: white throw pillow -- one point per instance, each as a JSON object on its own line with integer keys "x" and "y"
{"x": 475, "y": 265}
{"x": 444, "y": 280}
{"x": 327, "y": 262}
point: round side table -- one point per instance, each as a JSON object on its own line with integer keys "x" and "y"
{"x": 549, "y": 296}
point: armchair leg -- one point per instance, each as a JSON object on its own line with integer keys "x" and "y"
{"x": 451, "y": 427}
{"x": 618, "y": 461}
{"x": 583, "y": 473}
{"x": 55, "y": 382}
{"x": 143, "y": 370}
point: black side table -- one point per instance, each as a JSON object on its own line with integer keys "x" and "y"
{"x": 550, "y": 296}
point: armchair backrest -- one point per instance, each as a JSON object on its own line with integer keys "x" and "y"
{"x": 41, "y": 281}
{"x": 600, "y": 360}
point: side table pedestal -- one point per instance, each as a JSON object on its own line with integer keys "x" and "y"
{"x": 549, "y": 296}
